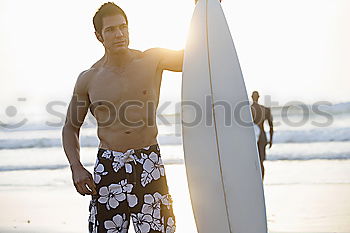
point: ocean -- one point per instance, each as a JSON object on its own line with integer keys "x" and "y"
{"x": 307, "y": 169}
{"x": 299, "y": 134}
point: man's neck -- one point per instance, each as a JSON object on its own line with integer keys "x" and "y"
{"x": 119, "y": 59}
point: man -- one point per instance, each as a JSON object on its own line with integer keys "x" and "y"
{"x": 260, "y": 114}
{"x": 122, "y": 92}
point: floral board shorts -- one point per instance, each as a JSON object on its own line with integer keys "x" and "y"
{"x": 131, "y": 185}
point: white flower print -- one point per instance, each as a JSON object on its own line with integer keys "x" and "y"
{"x": 94, "y": 230}
{"x": 122, "y": 159}
{"x": 118, "y": 163}
{"x": 153, "y": 169}
{"x": 141, "y": 222}
{"x": 99, "y": 171}
{"x": 128, "y": 168}
{"x": 107, "y": 154}
{"x": 152, "y": 205}
{"x": 167, "y": 200}
{"x": 117, "y": 154}
{"x": 157, "y": 225}
{"x": 142, "y": 158}
{"x": 95, "y": 227}
{"x": 127, "y": 188}
{"x": 93, "y": 212}
{"x": 111, "y": 196}
{"x": 92, "y": 217}
{"x": 119, "y": 224}
{"x": 170, "y": 225}
{"x": 146, "y": 178}
{"x": 132, "y": 200}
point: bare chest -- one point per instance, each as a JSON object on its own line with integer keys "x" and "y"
{"x": 137, "y": 83}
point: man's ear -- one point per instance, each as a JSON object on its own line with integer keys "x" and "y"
{"x": 99, "y": 37}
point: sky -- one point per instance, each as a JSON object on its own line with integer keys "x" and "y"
{"x": 291, "y": 50}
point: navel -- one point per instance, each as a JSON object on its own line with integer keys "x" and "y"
{"x": 144, "y": 92}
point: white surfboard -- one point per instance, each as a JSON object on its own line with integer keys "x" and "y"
{"x": 221, "y": 157}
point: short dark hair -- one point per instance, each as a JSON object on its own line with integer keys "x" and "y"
{"x": 107, "y": 9}
{"x": 255, "y": 92}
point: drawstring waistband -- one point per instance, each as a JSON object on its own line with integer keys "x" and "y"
{"x": 128, "y": 156}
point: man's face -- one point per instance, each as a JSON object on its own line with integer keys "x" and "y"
{"x": 115, "y": 34}
{"x": 255, "y": 96}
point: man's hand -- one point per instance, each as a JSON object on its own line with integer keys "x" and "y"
{"x": 83, "y": 180}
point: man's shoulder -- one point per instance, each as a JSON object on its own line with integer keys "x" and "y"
{"x": 257, "y": 105}
{"x": 154, "y": 52}
{"x": 87, "y": 74}
{"x": 267, "y": 111}
{"x": 264, "y": 108}
{"x": 150, "y": 56}
{"x": 151, "y": 51}
{"x": 137, "y": 52}
{"x": 84, "y": 78}
{"x": 267, "y": 108}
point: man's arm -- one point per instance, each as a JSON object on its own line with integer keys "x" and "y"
{"x": 270, "y": 121}
{"x": 171, "y": 60}
{"x": 77, "y": 110}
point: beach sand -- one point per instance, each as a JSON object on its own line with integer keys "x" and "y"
{"x": 301, "y": 196}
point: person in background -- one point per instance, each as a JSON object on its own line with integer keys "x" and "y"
{"x": 260, "y": 114}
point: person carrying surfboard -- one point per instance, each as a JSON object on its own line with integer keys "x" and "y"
{"x": 260, "y": 114}
{"x": 122, "y": 92}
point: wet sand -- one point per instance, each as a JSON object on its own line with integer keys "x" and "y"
{"x": 301, "y": 196}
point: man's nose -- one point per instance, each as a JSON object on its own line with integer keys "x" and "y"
{"x": 118, "y": 33}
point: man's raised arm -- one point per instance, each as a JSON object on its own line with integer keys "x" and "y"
{"x": 77, "y": 110}
{"x": 171, "y": 60}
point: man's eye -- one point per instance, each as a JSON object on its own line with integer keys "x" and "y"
{"x": 108, "y": 29}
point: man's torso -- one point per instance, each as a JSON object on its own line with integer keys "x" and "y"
{"x": 124, "y": 101}
{"x": 260, "y": 114}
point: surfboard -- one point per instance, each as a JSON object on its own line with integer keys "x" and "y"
{"x": 221, "y": 157}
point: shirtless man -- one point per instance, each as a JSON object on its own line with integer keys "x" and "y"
{"x": 260, "y": 114}
{"x": 122, "y": 91}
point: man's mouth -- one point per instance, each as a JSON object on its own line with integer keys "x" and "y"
{"x": 119, "y": 43}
